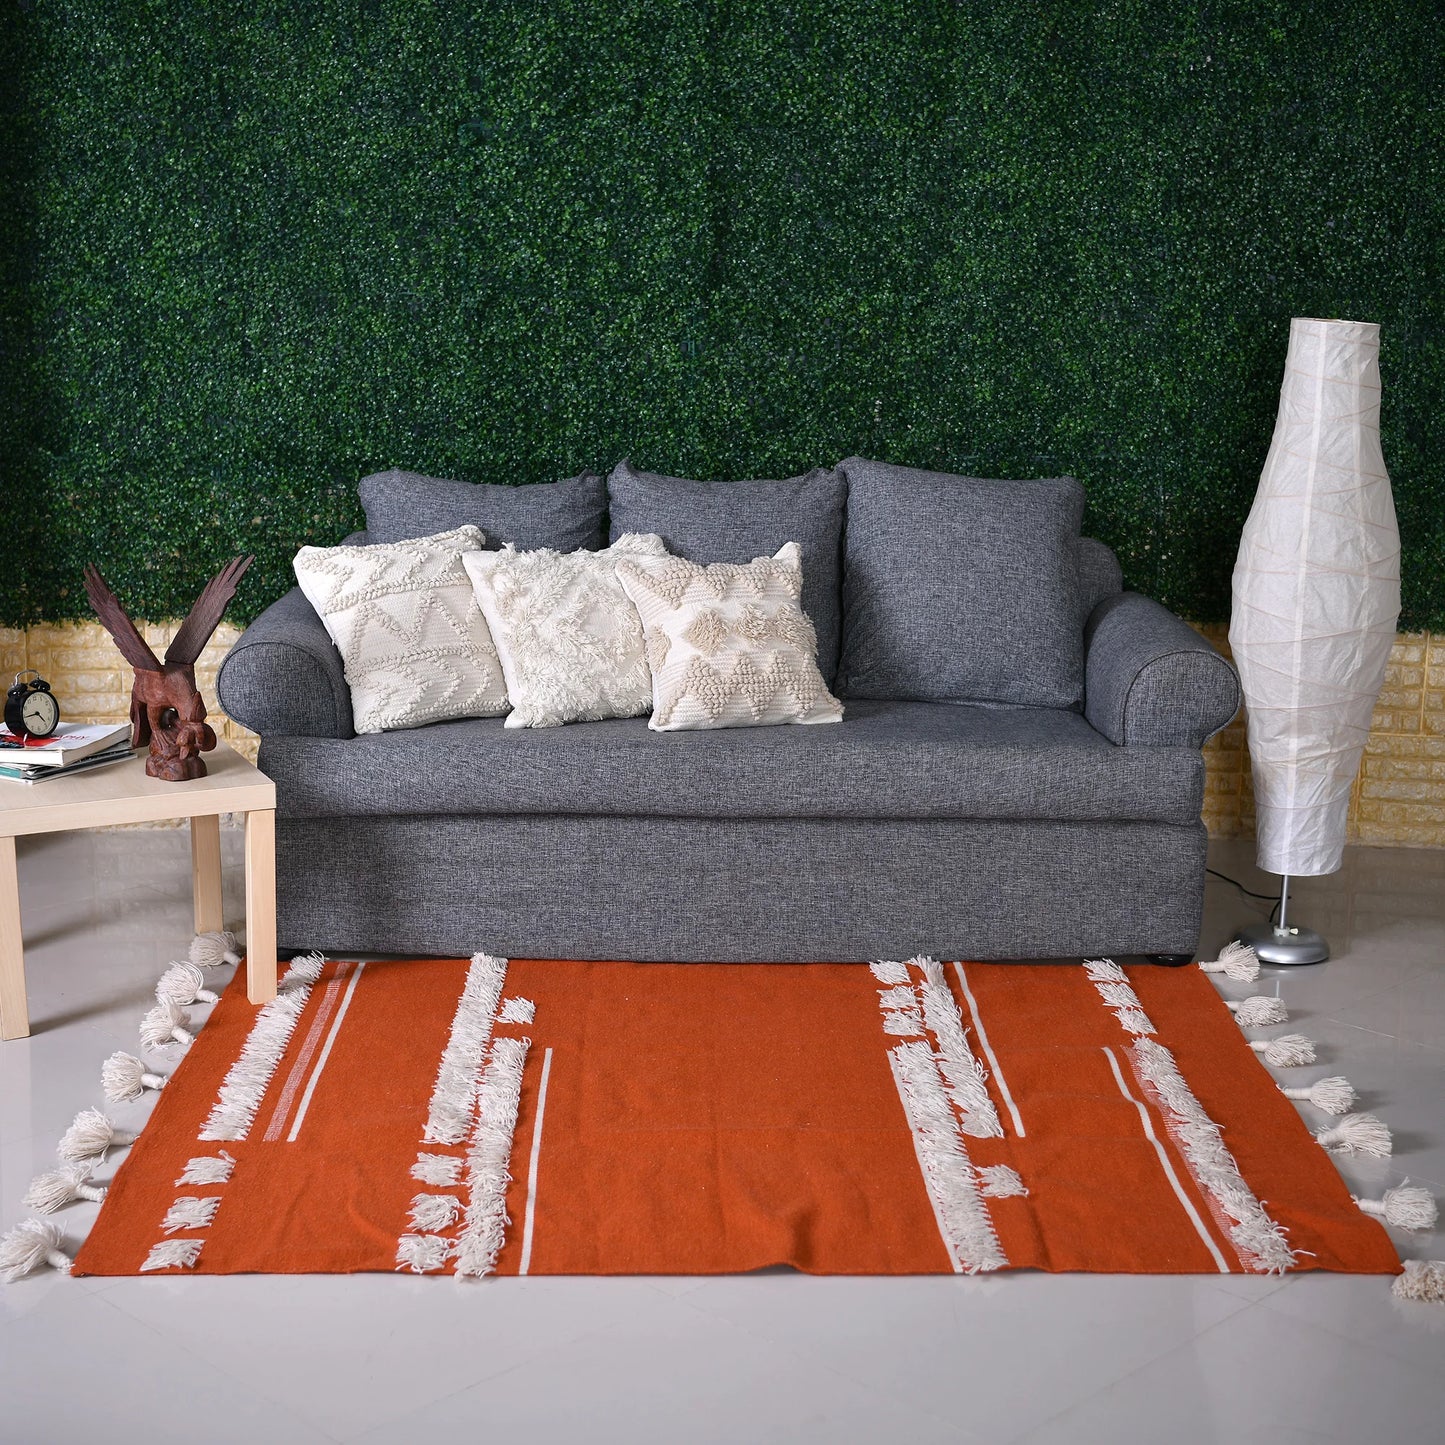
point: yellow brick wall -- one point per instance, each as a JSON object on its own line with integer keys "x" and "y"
{"x": 1399, "y": 797}
{"x": 92, "y": 680}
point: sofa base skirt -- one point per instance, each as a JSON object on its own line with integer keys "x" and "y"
{"x": 737, "y": 890}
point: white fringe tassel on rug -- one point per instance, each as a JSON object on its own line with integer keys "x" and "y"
{"x": 454, "y": 1095}
{"x": 953, "y": 1185}
{"x": 32, "y": 1244}
{"x": 485, "y": 1229}
{"x": 1258, "y": 1238}
{"x": 962, "y": 1072}
{"x": 245, "y": 1083}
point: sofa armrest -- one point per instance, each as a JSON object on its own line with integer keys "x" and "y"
{"x": 284, "y": 675}
{"x": 1150, "y": 680}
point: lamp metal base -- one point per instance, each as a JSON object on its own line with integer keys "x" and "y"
{"x": 1288, "y": 947}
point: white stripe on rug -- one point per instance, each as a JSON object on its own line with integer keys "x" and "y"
{"x": 948, "y": 1175}
{"x": 530, "y": 1218}
{"x": 1167, "y": 1166}
{"x": 454, "y": 1096}
{"x": 325, "y": 1054}
{"x": 299, "y": 1069}
{"x": 1258, "y": 1239}
{"x": 243, "y": 1088}
{"x": 983, "y": 1043}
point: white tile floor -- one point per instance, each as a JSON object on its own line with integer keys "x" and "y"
{"x": 770, "y": 1357}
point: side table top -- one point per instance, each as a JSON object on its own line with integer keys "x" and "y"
{"x": 122, "y": 793}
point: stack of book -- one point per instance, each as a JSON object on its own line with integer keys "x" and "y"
{"x": 72, "y": 748}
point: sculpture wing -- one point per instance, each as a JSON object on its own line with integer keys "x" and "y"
{"x": 113, "y": 617}
{"x": 204, "y": 617}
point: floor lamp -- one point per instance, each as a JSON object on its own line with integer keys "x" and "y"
{"x": 1316, "y": 602}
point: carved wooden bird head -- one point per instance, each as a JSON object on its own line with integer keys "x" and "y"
{"x": 166, "y": 709}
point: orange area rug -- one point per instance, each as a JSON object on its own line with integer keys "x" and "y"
{"x": 555, "y": 1117}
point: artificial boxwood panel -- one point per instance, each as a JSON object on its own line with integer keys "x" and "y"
{"x": 253, "y": 251}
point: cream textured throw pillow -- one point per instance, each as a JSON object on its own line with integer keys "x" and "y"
{"x": 412, "y": 639}
{"x": 729, "y": 644}
{"x": 569, "y": 641}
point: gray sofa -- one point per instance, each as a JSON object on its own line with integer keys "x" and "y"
{"x": 1018, "y": 773}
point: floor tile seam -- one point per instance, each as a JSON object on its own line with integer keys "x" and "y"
{"x": 1380, "y": 1033}
{"x": 1351, "y": 1340}
{"x": 774, "y": 1346}
{"x": 1233, "y": 1315}
{"x": 250, "y": 1382}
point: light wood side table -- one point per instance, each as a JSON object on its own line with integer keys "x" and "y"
{"x": 122, "y": 793}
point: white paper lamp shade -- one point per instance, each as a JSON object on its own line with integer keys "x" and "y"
{"x": 1316, "y": 595}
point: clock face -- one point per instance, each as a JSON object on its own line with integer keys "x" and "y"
{"x": 41, "y": 713}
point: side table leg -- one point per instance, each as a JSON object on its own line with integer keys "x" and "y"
{"x": 261, "y": 905}
{"x": 206, "y": 872}
{"x": 14, "y": 1017}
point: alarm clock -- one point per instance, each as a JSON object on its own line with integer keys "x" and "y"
{"x": 30, "y": 707}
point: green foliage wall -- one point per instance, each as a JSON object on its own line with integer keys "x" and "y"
{"x": 252, "y": 251}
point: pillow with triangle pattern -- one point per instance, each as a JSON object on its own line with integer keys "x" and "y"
{"x": 729, "y": 644}
{"x": 413, "y": 642}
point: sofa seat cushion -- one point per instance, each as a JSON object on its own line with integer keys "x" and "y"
{"x": 958, "y": 589}
{"x": 885, "y": 760}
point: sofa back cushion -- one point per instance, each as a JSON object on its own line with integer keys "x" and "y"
{"x": 1100, "y": 575}
{"x": 565, "y": 516}
{"x": 736, "y": 521}
{"x": 958, "y": 589}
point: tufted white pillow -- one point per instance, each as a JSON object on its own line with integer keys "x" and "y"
{"x": 729, "y": 644}
{"x": 569, "y": 641}
{"x": 412, "y": 639}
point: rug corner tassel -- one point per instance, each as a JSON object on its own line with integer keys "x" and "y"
{"x": 1258, "y": 1012}
{"x": 1423, "y": 1282}
{"x": 33, "y": 1244}
{"x": 211, "y": 950}
{"x": 183, "y": 983}
{"x": 165, "y": 1024}
{"x": 1289, "y": 1051}
{"x": 124, "y": 1077}
{"x": 90, "y": 1134}
{"x": 59, "y": 1187}
{"x": 1237, "y": 961}
{"x": 1335, "y": 1095}
{"x": 1358, "y": 1134}
{"x": 1406, "y": 1206}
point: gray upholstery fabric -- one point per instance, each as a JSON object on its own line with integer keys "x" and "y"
{"x": 284, "y": 675}
{"x": 960, "y": 589}
{"x": 1152, "y": 680}
{"x": 1099, "y": 574}
{"x": 565, "y": 515}
{"x": 885, "y": 760}
{"x": 737, "y": 521}
{"x": 801, "y": 890}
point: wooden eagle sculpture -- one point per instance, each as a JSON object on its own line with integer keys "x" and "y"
{"x": 166, "y": 710}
